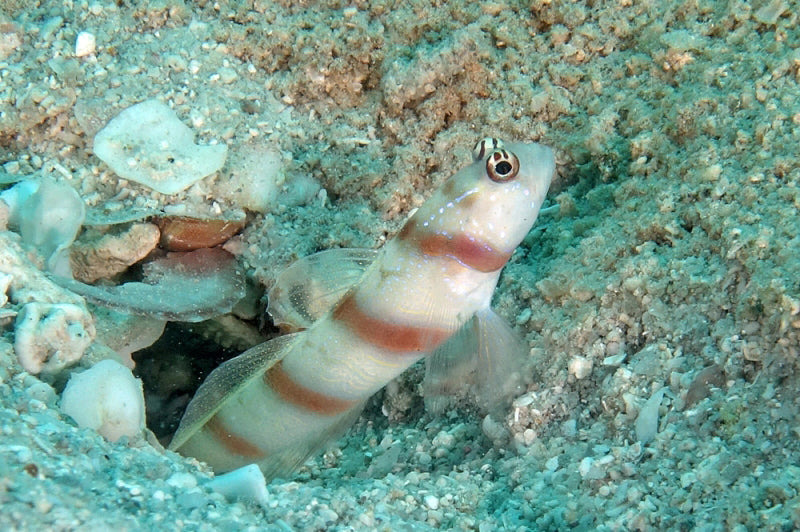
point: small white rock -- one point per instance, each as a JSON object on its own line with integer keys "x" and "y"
{"x": 5, "y": 282}
{"x": 431, "y": 502}
{"x": 106, "y": 398}
{"x": 227, "y": 75}
{"x": 580, "y": 367}
{"x": 50, "y": 337}
{"x": 585, "y": 466}
{"x": 182, "y": 481}
{"x": 444, "y": 439}
{"x": 494, "y": 430}
{"x": 529, "y": 436}
{"x": 247, "y": 482}
{"x": 85, "y": 44}
{"x": 647, "y": 421}
{"x": 615, "y": 360}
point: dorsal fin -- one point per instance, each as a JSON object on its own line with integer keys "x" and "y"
{"x": 312, "y": 285}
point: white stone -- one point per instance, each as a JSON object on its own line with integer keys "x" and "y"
{"x": 647, "y": 421}
{"x": 85, "y": 44}
{"x": 431, "y": 502}
{"x": 585, "y": 466}
{"x": 182, "y": 481}
{"x": 106, "y": 398}
{"x": 580, "y": 367}
{"x": 247, "y": 482}
{"x": 5, "y": 281}
{"x": 256, "y": 178}
{"x": 48, "y": 216}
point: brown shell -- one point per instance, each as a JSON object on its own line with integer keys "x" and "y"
{"x": 180, "y": 233}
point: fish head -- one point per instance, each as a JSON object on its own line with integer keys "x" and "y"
{"x": 495, "y": 200}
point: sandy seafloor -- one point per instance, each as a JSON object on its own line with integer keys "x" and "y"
{"x": 675, "y": 248}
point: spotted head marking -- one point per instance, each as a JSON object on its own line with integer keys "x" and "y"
{"x": 484, "y": 147}
{"x": 502, "y": 165}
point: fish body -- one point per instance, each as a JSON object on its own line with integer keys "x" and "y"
{"x": 427, "y": 292}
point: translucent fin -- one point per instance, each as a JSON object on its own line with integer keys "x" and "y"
{"x": 311, "y": 286}
{"x": 224, "y": 383}
{"x": 483, "y": 361}
{"x": 284, "y": 463}
{"x": 449, "y": 370}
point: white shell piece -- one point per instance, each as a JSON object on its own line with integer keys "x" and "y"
{"x": 647, "y": 420}
{"x": 147, "y": 143}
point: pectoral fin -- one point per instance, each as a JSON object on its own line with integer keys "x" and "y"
{"x": 484, "y": 361}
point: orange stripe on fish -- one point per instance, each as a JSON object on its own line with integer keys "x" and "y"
{"x": 366, "y": 317}
{"x": 282, "y": 384}
{"x": 467, "y": 250}
{"x": 386, "y": 335}
{"x": 233, "y": 443}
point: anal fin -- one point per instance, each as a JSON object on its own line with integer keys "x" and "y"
{"x": 225, "y": 383}
{"x": 283, "y": 463}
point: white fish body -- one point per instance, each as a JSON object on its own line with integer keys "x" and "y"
{"x": 375, "y": 315}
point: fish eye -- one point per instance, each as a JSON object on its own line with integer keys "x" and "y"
{"x": 502, "y": 166}
{"x": 484, "y": 147}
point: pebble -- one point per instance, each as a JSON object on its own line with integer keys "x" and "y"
{"x": 182, "y": 481}
{"x": 431, "y": 502}
{"x": 493, "y": 430}
{"x": 85, "y": 44}
{"x": 328, "y": 515}
{"x": 529, "y": 436}
{"x": 189, "y": 501}
{"x": 444, "y": 439}
{"x": 227, "y": 75}
{"x": 585, "y": 466}
{"x": 580, "y": 367}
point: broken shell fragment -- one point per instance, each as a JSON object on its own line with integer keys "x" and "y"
{"x": 191, "y": 286}
{"x": 180, "y": 233}
{"x": 147, "y": 143}
{"x": 125, "y": 333}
